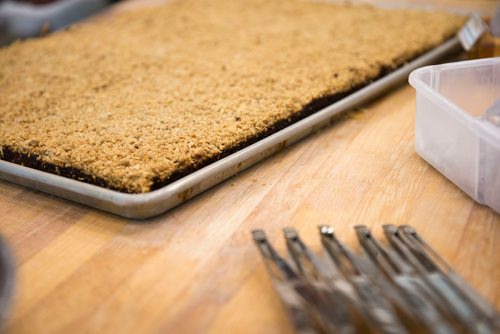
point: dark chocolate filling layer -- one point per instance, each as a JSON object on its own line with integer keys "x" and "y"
{"x": 33, "y": 161}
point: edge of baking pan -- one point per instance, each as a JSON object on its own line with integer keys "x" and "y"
{"x": 156, "y": 202}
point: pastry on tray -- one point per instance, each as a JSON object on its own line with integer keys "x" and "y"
{"x": 136, "y": 101}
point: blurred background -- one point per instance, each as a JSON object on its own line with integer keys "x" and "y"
{"x": 31, "y": 18}
{"x": 21, "y": 19}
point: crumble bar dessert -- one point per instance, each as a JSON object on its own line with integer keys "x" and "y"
{"x": 136, "y": 101}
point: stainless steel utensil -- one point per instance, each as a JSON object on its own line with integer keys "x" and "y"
{"x": 401, "y": 287}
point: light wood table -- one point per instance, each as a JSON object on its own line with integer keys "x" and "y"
{"x": 195, "y": 268}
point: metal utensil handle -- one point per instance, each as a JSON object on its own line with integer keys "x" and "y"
{"x": 462, "y": 310}
{"x": 378, "y": 308}
{"x": 422, "y": 307}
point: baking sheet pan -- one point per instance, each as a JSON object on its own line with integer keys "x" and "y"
{"x": 156, "y": 202}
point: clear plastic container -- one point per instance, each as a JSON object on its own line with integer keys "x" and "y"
{"x": 458, "y": 124}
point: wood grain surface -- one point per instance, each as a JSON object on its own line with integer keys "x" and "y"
{"x": 195, "y": 269}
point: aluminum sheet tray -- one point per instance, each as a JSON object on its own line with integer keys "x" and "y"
{"x": 156, "y": 202}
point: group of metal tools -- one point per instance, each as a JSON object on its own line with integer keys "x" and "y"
{"x": 401, "y": 287}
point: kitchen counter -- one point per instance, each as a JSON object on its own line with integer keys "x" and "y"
{"x": 196, "y": 269}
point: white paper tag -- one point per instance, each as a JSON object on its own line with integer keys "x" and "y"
{"x": 474, "y": 28}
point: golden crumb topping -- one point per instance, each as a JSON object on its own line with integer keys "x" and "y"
{"x": 140, "y": 96}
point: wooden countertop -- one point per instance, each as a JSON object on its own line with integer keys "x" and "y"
{"x": 195, "y": 268}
